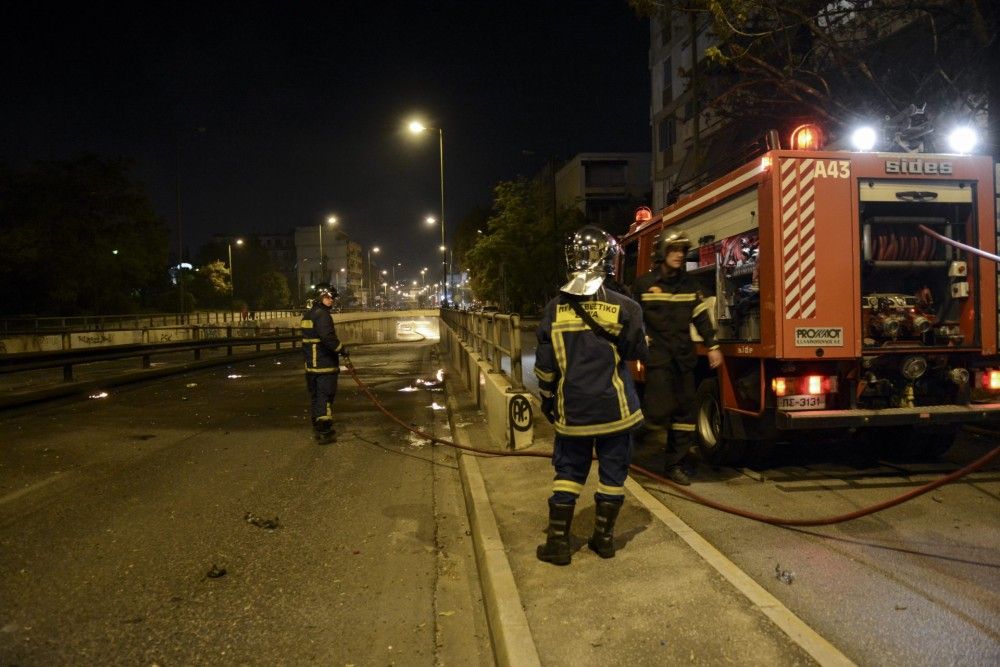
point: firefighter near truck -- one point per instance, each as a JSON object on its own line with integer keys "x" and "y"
{"x": 847, "y": 295}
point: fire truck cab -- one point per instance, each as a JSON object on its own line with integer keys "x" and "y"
{"x": 836, "y": 308}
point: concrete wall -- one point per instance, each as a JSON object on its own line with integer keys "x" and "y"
{"x": 365, "y": 327}
{"x": 509, "y": 413}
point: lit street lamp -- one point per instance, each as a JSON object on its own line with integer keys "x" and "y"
{"x": 416, "y": 127}
{"x": 324, "y": 276}
{"x": 232, "y": 278}
{"x": 371, "y": 287}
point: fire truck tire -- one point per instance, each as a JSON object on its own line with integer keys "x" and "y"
{"x": 715, "y": 447}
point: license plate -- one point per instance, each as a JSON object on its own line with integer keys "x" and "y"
{"x": 802, "y": 402}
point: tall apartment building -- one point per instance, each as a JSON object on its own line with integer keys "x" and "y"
{"x": 682, "y": 132}
{"x": 343, "y": 260}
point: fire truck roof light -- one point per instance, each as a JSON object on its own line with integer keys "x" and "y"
{"x": 807, "y": 138}
{"x": 963, "y": 139}
{"x": 863, "y": 138}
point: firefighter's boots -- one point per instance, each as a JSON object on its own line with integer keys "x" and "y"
{"x": 556, "y": 549}
{"x": 603, "y": 541}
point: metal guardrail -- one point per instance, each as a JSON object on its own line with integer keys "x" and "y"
{"x": 487, "y": 334}
{"x": 15, "y": 325}
{"x": 31, "y": 361}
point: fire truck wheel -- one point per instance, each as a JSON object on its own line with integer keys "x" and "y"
{"x": 715, "y": 447}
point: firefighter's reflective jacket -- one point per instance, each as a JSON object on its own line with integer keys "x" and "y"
{"x": 669, "y": 305}
{"x": 320, "y": 344}
{"x": 583, "y": 373}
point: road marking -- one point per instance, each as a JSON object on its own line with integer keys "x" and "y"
{"x": 14, "y": 495}
{"x": 811, "y": 642}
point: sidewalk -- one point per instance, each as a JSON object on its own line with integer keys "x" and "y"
{"x": 666, "y": 598}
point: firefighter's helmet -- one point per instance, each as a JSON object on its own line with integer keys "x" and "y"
{"x": 669, "y": 241}
{"x": 326, "y": 290}
{"x": 589, "y": 250}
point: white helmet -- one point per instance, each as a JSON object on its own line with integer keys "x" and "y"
{"x": 588, "y": 251}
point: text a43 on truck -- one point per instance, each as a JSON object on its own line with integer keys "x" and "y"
{"x": 839, "y": 301}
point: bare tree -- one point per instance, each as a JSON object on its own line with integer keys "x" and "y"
{"x": 911, "y": 65}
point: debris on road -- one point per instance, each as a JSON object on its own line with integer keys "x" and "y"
{"x": 261, "y": 522}
{"x": 784, "y": 576}
{"x": 216, "y": 572}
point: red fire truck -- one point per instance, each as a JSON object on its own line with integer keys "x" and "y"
{"x": 841, "y": 304}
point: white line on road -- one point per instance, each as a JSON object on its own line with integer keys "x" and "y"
{"x": 14, "y": 495}
{"x": 811, "y": 642}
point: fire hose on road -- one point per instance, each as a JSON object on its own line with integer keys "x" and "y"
{"x": 778, "y": 521}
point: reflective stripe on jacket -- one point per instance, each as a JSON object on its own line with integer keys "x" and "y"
{"x": 320, "y": 344}
{"x": 670, "y": 304}
{"x": 585, "y": 373}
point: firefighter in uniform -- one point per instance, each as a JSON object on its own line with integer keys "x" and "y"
{"x": 670, "y": 302}
{"x": 587, "y": 392}
{"x": 322, "y": 350}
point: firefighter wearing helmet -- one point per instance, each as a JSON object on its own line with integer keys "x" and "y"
{"x": 585, "y": 336}
{"x": 322, "y": 350}
{"x": 671, "y": 302}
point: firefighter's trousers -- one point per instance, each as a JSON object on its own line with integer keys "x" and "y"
{"x": 668, "y": 410}
{"x": 571, "y": 457}
{"x": 322, "y": 390}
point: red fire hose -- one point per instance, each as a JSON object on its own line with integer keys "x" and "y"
{"x": 778, "y": 521}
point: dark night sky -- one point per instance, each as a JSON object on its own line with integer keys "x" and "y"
{"x": 304, "y": 104}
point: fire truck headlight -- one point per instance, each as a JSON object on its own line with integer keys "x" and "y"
{"x": 963, "y": 139}
{"x": 863, "y": 138}
{"x": 913, "y": 367}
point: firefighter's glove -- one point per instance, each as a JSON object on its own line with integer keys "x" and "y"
{"x": 549, "y": 408}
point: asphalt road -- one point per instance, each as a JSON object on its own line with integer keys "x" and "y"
{"x": 917, "y": 584}
{"x": 194, "y": 520}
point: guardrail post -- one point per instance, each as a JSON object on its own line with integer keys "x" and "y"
{"x": 496, "y": 355}
{"x": 515, "y": 352}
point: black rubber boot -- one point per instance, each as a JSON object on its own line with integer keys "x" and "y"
{"x": 603, "y": 541}
{"x": 556, "y": 548}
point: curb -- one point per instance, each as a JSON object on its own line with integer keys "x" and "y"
{"x": 513, "y": 643}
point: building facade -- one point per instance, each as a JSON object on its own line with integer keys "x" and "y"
{"x": 605, "y": 187}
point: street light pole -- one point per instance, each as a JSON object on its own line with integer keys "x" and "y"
{"x": 444, "y": 273}
{"x": 232, "y": 276}
{"x": 371, "y": 289}
{"x": 180, "y": 238}
{"x": 177, "y": 192}
{"x": 417, "y": 127}
{"x": 324, "y": 276}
